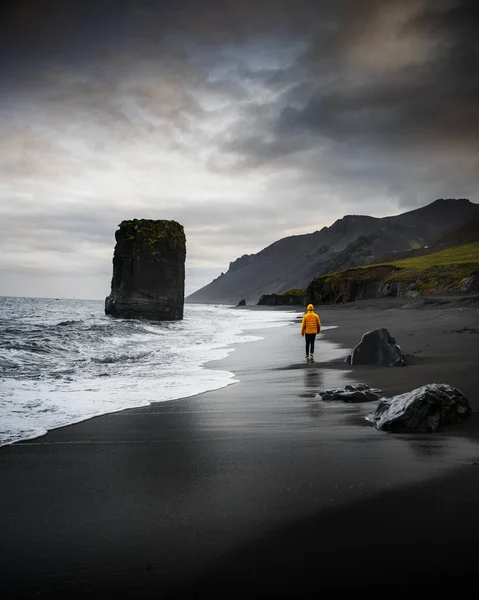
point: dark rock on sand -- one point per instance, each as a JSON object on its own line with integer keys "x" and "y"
{"x": 351, "y": 393}
{"x": 241, "y": 303}
{"x": 423, "y": 409}
{"x": 148, "y": 271}
{"x": 377, "y": 347}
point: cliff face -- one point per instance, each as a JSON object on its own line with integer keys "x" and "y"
{"x": 354, "y": 284}
{"x": 281, "y": 300}
{"x": 148, "y": 271}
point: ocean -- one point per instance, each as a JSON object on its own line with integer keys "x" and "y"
{"x": 64, "y": 361}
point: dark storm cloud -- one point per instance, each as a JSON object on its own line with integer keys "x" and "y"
{"x": 397, "y": 82}
{"x": 415, "y": 103}
{"x": 328, "y": 95}
{"x": 42, "y": 31}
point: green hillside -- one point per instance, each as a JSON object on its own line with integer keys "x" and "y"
{"x": 465, "y": 254}
{"x": 442, "y": 271}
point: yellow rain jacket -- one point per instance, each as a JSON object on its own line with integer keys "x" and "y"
{"x": 311, "y": 322}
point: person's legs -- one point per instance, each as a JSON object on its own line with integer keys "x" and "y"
{"x": 309, "y": 343}
{"x": 313, "y": 337}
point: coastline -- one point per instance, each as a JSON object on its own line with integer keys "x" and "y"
{"x": 257, "y": 485}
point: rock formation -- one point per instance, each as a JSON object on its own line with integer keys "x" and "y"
{"x": 423, "y": 409}
{"x": 351, "y": 393}
{"x": 355, "y": 284}
{"x": 377, "y": 347}
{"x": 281, "y": 300}
{"x": 148, "y": 271}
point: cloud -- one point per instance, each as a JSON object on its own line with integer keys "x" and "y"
{"x": 245, "y": 121}
{"x": 385, "y": 105}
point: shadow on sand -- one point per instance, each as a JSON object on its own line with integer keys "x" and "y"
{"x": 420, "y": 537}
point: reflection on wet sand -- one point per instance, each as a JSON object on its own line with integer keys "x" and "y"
{"x": 313, "y": 378}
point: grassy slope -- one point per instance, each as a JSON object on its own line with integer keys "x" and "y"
{"x": 441, "y": 271}
{"x": 465, "y": 254}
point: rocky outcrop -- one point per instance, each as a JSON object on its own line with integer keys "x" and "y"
{"x": 470, "y": 284}
{"x": 354, "y": 284}
{"x": 423, "y": 409}
{"x": 351, "y": 393}
{"x": 148, "y": 271}
{"x": 239, "y": 263}
{"x": 281, "y": 300}
{"x": 381, "y": 281}
{"x": 377, "y": 347}
{"x": 242, "y": 303}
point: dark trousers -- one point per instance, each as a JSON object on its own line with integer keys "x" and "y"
{"x": 310, "y": 337}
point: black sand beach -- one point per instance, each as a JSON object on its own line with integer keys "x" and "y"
{"x": 258, "y": 489}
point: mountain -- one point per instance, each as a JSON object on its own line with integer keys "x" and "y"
{"x": 352, "y": 241}
{"x": 466, "y": 233}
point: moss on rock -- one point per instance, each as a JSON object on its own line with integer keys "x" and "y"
{"x": 148, "y": 234}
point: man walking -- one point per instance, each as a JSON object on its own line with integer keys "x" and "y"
{"x": 310, "y": 326}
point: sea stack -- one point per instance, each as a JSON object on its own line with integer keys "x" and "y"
{"x": 148, "y": 271}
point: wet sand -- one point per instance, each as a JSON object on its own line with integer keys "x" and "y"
{"x": 258, "y": 489}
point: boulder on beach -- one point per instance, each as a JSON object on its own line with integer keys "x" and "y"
{"x": 241, "y": 303}
{"x": 351, "y": 393}
{"x": 377, "y": 347}
{"x": 148, "y": 271}
{"x": 423, "y": 409}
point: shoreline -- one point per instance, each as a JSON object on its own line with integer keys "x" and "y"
{"x": 257, "y": 486}
{"x": 39, "y": 427}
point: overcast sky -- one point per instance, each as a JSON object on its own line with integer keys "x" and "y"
{"x": 244, "y": 120}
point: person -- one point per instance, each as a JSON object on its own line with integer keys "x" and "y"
{"x": 310, "y": 326}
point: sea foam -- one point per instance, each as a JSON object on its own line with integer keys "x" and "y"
{"x": 64, "y": 361}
